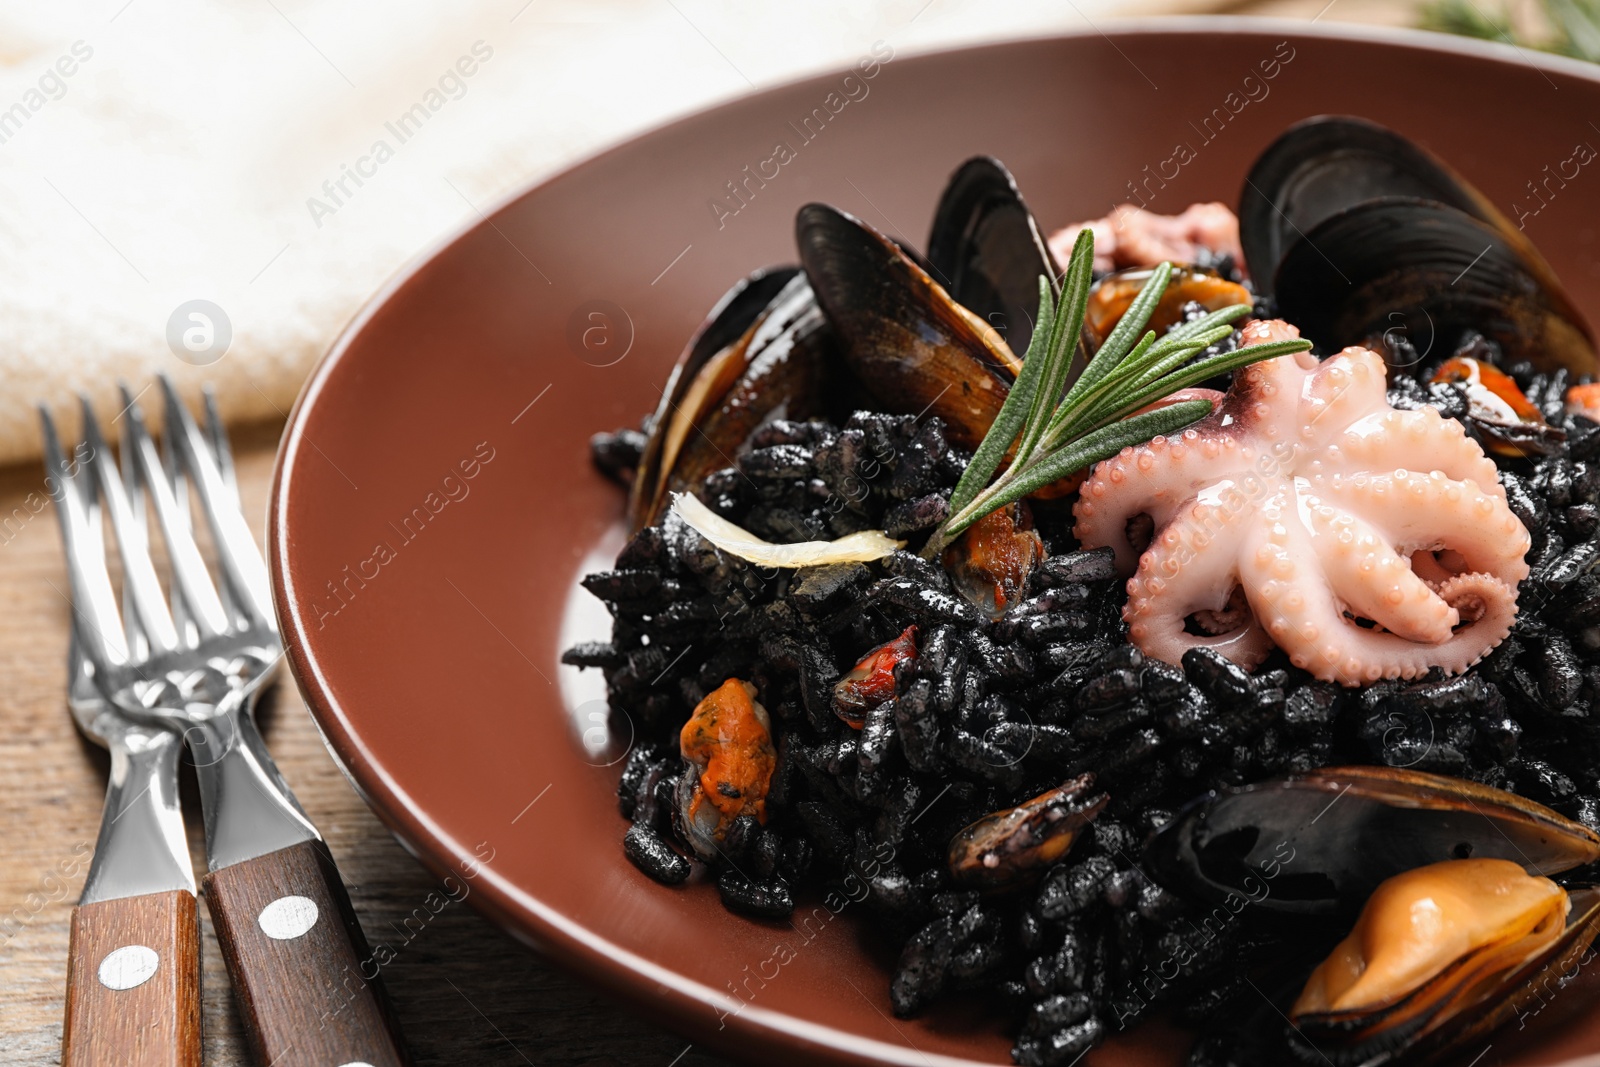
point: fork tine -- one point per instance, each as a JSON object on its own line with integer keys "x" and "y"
{"x": 138, "y": 643}
{"x": 220, "y": 448}
{"x": 92, "y": 599}
{"x": 222, "y": 451}
{"x": 188, "y": 632}
{"x": 188, "y": 566}
{"x": 236, "y": 546}
{"x": 79, "y": 668}
{"x": 139, "y": 581}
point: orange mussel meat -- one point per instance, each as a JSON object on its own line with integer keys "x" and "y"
{"x": 728, "y": 741}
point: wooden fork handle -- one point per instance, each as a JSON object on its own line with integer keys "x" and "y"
{"x": 307, "y": 985}
{"x": 133, "y": 983}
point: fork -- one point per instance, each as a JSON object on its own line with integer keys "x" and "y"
{"x": 308, "y": 988}
{"x": 133, "y": 971}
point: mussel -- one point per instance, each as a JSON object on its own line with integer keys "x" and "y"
{"x": 864, "y": 313}
{"x": 991, "y": 562}
{"x": 732, "y": 316}
{"x": 1440, "y": 954}
{"x": 1112, "y": 295}
{"x": 871, "y": 681}
{"x": 913, "y": 345}
{"x": 1347, "y": 829}
{"x": 1457, "y": 922}
{"x": 1430, "y": 270}
{"x": 1584, "y": 400}
{"x": 727, "y": 744}
{"x": 1011, "y": 847}
{"x": 1507, "y": 421}
{"x": 987, "y": 250}
{"x": 764, "y": 352}
{"x": 1323, "y": 166}
{"x": 1357, "y": 232}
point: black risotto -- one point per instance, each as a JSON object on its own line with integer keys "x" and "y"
{"x": 991, "y": 713}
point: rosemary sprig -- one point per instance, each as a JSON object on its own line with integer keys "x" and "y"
{"x": 1058, "y": 434}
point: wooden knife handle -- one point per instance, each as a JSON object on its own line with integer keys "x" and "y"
{"x": 308, "y": 987}
{"x": 133, "y": 983}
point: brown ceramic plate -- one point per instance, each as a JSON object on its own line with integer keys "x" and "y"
{"x": 435, "y": 504}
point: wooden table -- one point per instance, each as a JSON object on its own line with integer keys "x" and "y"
{"x": 466, "y": 993}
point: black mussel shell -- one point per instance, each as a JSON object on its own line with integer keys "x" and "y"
{"x": 1428, "y": 1026}
{"x": 988, "y": 252}
{"x": 1325, "y": 165}
{"x": 782, "y": 349}
{"x": 1320, "y": 843}
{"x": 738, "y": 309}
{"x": 1433, "y": 273}
{"x": 913, "y": 346}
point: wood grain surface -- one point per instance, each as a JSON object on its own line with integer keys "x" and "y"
{"x": 153, "y": 1023}
{"x": 465, "y": 992}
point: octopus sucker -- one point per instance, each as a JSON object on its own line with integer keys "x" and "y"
{"x": 1483, "y": 534}
{"x": 1373, "y": 582}
{"x": 1198, "y": 585}
{"x": 1365, "y": 541}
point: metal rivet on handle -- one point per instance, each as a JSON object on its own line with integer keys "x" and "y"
{"x": 288, "y": 917}
{"x": 128, "y": 966}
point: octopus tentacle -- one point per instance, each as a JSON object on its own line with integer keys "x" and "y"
{"x": 1346, "y": 388}
{"x": 1373, "y": 580}
{"x": 1299, "y": 610}
{"x": 1154, "y": 479}
{"x": 1489, "y": 605}
{"x": 1183, "y": 574}
{"x": 1372, "y": 442}
{"x": 1293, "y": 606}
{"x": 1431, "y": 512}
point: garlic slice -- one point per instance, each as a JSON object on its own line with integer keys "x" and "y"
{"x": 736, "y": 540}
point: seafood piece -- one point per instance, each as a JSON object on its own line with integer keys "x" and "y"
{"x": 1306, "y": 490}
{"x": 1584, "y": 400}
{"x": 1133, "y": 237}
{"x": 1112, "y": 295}
{"x": 1359, "y": 233}
{"x": 1013, "y": 846}
{"x": 1434, "y": 272}
{"x": 1426, "y": 919}
{"x": 917, "y": 349}
{"x": 989, "y": 564}
{"x": 727, "y": 743}
{"x": 762, "y": 354}
{"x": 986, "y": 249}
{"x": 871, "y": 681}
{"x": 1322, "y": 842}
{"x": 728, "y": 321}
{"x": 1508, "y": 421}
{"x": 1492, "y": 393}
{"x": 1441, "y": 954}
{"x": 1322, "y": 166}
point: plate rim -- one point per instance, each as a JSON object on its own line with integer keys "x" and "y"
{"x": 664, "y": 994}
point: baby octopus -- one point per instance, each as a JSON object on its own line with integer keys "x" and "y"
{"x": 1305, "y": 511}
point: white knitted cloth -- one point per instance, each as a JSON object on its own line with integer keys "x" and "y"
{"x": 280, "y": 158}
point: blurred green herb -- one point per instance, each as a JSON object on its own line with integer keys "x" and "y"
{"x": 1573, "y": 26}
{"x": 1099, "y": 415}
